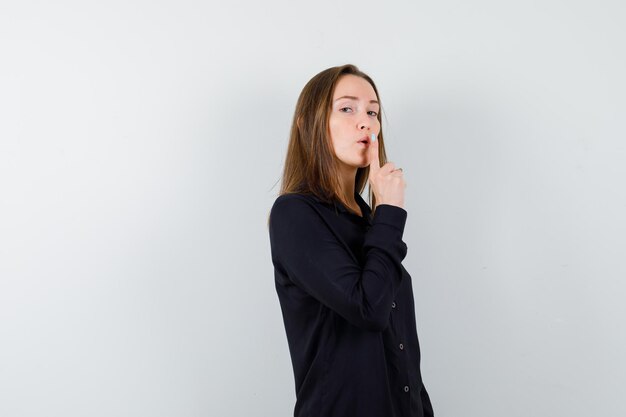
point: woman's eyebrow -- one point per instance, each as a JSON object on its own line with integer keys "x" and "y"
{"x": 355, "y": 98}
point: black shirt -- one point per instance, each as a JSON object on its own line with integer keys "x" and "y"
{"x": 348, "y": 309}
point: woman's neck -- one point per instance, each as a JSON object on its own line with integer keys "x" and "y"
{"x": 348, "y": 181}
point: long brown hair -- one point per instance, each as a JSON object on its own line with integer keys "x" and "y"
{"x": 311, "y": 166}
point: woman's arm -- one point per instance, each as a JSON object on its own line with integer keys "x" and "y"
{"x": 426, "y": 404}
{"x": 315, "y": 260}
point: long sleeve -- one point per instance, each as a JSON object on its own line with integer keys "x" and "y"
{"x": 427, "y": 405}
{"x": 316, "y": 260}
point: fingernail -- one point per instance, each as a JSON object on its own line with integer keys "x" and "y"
{"x": 373, "y": 137}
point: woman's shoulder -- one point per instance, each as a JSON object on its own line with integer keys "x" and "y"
{"x": 293, "y": 201}
{"x": 299, "y": 205}
{"x": 309, "y": 197}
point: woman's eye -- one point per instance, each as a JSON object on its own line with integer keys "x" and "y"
{"x": 371, "y": 112}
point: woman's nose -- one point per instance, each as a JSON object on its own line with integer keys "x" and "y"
{"x": 365, "y": 122}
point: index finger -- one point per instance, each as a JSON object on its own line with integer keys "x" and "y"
{"x": 373, "y": 154}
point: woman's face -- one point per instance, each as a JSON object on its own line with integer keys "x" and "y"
{"x": 353, "y": 116}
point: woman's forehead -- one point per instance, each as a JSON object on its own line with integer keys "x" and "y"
{"x": 352, "y": 86}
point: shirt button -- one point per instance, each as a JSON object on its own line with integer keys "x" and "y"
{"x": 401, "y": 346}
{"x": 406, "y": 388}
{"x": 393, "y": 305}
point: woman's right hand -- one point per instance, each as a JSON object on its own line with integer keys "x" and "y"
{"x": 387, "y": 183}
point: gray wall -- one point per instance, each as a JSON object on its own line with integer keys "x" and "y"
{"x": 140, "y": 148}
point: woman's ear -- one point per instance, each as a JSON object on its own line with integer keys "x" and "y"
{"x": 299, "y": 123}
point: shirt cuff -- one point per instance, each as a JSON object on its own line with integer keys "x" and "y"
{"x": 390, "y": 215}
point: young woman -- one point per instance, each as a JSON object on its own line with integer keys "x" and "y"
{"x": 346, "y": 300}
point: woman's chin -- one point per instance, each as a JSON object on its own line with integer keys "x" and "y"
{"x": 363, "y": 164}
{"x": 359, "y": 162}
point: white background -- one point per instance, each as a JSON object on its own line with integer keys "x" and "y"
{"x": 141, "y": 145}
